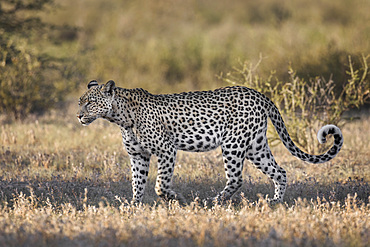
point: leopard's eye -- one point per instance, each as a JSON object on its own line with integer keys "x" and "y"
{"x": 92, "y": 100}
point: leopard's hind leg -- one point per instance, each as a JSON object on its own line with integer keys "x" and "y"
{"x": 260, "y": 154}
{"x": 233, "y": 157}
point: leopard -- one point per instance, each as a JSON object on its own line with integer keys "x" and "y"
{"x": 233, "y": 117}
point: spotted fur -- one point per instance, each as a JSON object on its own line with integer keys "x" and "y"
{"x": 234, "y": 118}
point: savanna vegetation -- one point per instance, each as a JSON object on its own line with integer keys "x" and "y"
{"x": 63, "y": 184}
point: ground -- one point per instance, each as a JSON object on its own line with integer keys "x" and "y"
{"x": 63, "y": 184}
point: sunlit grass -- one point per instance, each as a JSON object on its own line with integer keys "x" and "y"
{"x": 62, "y": 183}
{"x": 308, "y": 223}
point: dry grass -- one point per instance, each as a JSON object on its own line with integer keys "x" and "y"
{"x": 63, "y": 184}
{"x": 303, "y": 224}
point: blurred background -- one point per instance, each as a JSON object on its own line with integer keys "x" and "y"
{"x": 50, "y": 49}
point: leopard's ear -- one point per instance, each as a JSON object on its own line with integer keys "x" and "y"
{"x": 92, "y": 83}
{"x": 109, "y": 87}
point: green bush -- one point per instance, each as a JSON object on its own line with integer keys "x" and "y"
{"x": 30, "y": 81}
{"x": 20, "y": 73}
{"x": 307, "y": 105}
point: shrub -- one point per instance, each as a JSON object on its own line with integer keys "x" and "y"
{"x": 30, "y": 81}
{"x": 24, "y": 88}
{"x": 307, "y": 105}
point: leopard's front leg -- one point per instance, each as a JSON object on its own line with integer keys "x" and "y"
{"x": 139, "y": 171}
{"x": 140, "y": 159}
{"x": 163, "y": 186}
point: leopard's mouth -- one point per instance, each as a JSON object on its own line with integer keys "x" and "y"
{"x": 86, "y": 121}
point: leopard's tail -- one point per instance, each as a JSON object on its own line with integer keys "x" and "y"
{"x": 333, "y": 130}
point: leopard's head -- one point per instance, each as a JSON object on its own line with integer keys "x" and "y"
{"x": 96, "y": 102}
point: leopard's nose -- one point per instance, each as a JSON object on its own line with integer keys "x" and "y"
{"x": 79, "y": 115}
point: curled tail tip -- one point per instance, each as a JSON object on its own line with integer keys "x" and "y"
{"x": 329, "y": 129}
